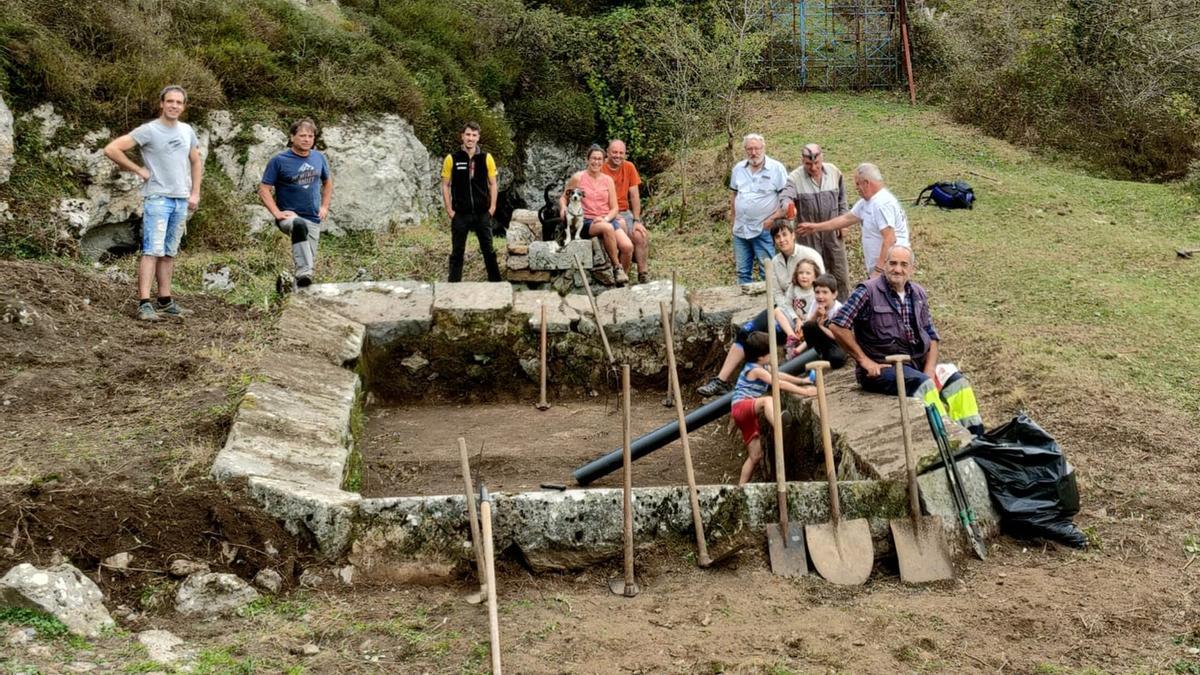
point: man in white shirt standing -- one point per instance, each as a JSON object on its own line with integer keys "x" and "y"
{"x": 884, "y": 223}
{"x": 755, "y": 184}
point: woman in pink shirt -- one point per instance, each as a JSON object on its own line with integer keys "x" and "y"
{"x": 600, "y": 212}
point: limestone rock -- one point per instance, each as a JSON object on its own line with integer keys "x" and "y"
{"x": 633, "y": 314}
{"x": 51, "y": 122}
{"x": 6, "y": 142}
{"x": 163, "y": 646}
{"x": 517, "y": 262}
{"x": 269, "y": 580}
{"x": 382, "y": 171}
{"x": 213, "y": 594}
{"x": 459, "y": 306}
{"x": 61, "y": 591}
{"x": 324, "y": 511}
{"x": 560, "y": 314}
{"x": 527, "y": 217}
{"x": 389, "y": 310}
{"x": 528, "y": 276}
{"x": 246, "y": 176}
{"x": 182, "y": 567}
{"x": 548, "y": 255}
{"x": 547, "y": 163}
{"x": 119, "y": 561}
{"x": 309, "y": 327}
{"x": 519, "y": 234}
{"x": 217, "y": 282}
{"x": 414, "y": 363}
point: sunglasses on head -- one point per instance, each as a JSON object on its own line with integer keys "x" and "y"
{"x": 811, "y": 156}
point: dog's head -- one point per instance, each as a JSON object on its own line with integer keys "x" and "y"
{"x": 575, "y": 197}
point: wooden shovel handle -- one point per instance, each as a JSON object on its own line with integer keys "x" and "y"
{"x": 693, "y": 492}
{"x": 472, "y": 513}
{"x": 914, "y": 503}
{"x": 776, "y": 412}
{"x": 835, "y": 509}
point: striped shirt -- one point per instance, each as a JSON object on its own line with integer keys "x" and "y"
{"x": 747, "y": 388}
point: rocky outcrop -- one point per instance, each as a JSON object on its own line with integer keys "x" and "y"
{"x": 61, "y": 591}
{"x": 382, "y": 173}
{"x": 6, "y": 142}
{"x": 547, "y": 163}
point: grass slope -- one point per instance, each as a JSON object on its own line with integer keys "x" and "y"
{"x": 1075, "y": 273}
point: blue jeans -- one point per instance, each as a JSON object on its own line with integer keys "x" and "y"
{"x": 886, "y": 382}
{"x": 163, "y": 222}
{"x": 746, "y": 251}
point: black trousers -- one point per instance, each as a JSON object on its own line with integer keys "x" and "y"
{"x": 827, "y": 348}
{"x": 460, "y": 227}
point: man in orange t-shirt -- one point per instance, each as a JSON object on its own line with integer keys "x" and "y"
{"x": 629, "y": 205}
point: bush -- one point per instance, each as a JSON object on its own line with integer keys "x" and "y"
{"x": 1100, "y": 79}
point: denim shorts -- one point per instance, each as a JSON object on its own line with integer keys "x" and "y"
{"x": 164, "y": 220}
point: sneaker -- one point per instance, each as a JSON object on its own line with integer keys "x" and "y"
{"x": 145, "y": 312}
{"x": 622, "y": 276}
{"x": 303, "y": 282}
{"x": 643, "y": 277}
{"x": 172, "y": 308}
{"x": 714, "y": 387}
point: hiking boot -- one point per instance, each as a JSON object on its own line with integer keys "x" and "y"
{"x": 643, "y": 277}
{"x": 171, "y": 309}
{"x": 622, "y": 276}
{"x": 303, "y": 282}
{"x": 145, "y": 312}
{"x": 714, "y": 387}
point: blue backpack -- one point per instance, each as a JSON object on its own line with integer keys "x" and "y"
{"x": 956, "y": 195}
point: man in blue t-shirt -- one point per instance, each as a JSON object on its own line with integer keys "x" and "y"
{"x": 289, "y": 191}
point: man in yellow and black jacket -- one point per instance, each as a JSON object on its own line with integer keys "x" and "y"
{"x": 469, "y": 194}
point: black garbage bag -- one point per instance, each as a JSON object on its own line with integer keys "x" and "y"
{"x": 1031, "y": 481}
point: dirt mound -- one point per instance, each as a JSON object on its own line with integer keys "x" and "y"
{"x": 85, "y": 386}
{"x": 209, "y": 522}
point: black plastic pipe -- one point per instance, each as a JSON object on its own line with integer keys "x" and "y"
{"x": 648, "y": 443}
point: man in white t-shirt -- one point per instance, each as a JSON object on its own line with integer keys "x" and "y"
{"x": 754, "y": 186}
{"x": 884, "y": 223}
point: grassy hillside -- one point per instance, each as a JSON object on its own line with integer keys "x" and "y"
{"x": 1076, "y": 274}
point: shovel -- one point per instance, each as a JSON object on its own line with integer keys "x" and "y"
{"x": 473, "y": 516}
{"x": 841, "y": 550}
{"x": 920, "y": 543}
{"x": 785, "y": 540}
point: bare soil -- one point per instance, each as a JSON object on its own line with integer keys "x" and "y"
{"x": 413, "y": 449}
{"x": 91, "y": 393}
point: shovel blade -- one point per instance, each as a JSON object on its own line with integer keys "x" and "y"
{"x": 842, "y": 552}
{"x": 787, "y": 553}
{"x": 921, "y": 550}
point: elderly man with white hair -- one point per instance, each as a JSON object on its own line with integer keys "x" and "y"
{"x": 888, "y": 315}
{"x": 755, "y": 184}
{"x": 884, "y": 223}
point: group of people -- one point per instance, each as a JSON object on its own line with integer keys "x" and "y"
{"x": 791, "y": 226}
{"x": 296, "y": 188}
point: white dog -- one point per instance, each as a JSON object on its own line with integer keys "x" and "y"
{"x": 574, "y": 221}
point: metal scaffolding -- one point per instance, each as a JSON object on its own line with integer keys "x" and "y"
{"x": 833, "y": 44}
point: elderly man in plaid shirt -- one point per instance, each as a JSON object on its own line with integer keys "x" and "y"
{"x": 890, "y": 315}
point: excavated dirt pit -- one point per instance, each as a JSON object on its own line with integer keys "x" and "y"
{"x": 411, "y": 448}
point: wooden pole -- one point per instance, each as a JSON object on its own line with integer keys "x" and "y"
{"x": 542, "y": 404}
{"x": 670, "y": 400}
{"x": 485, "y": 513}
{"x": 693, "y": 493}
{"x": 595, "y": 313}
{"x": 908, "y": 71}
{"x": 777, "y": 414}
{"x": 473, "y": 516}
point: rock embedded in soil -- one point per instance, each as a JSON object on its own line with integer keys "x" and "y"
{"x": 269, "y": 580}
{"x": 163, "y": 646}
{"x": 61, "y": 591}
{"x": 213, "y": 594}
{"x": 119, "y": 561}
{"x": 182, "y": 567}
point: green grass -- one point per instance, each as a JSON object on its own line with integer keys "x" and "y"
{"x": 1076, "y": 273}
{"x": 47, "y": 626}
